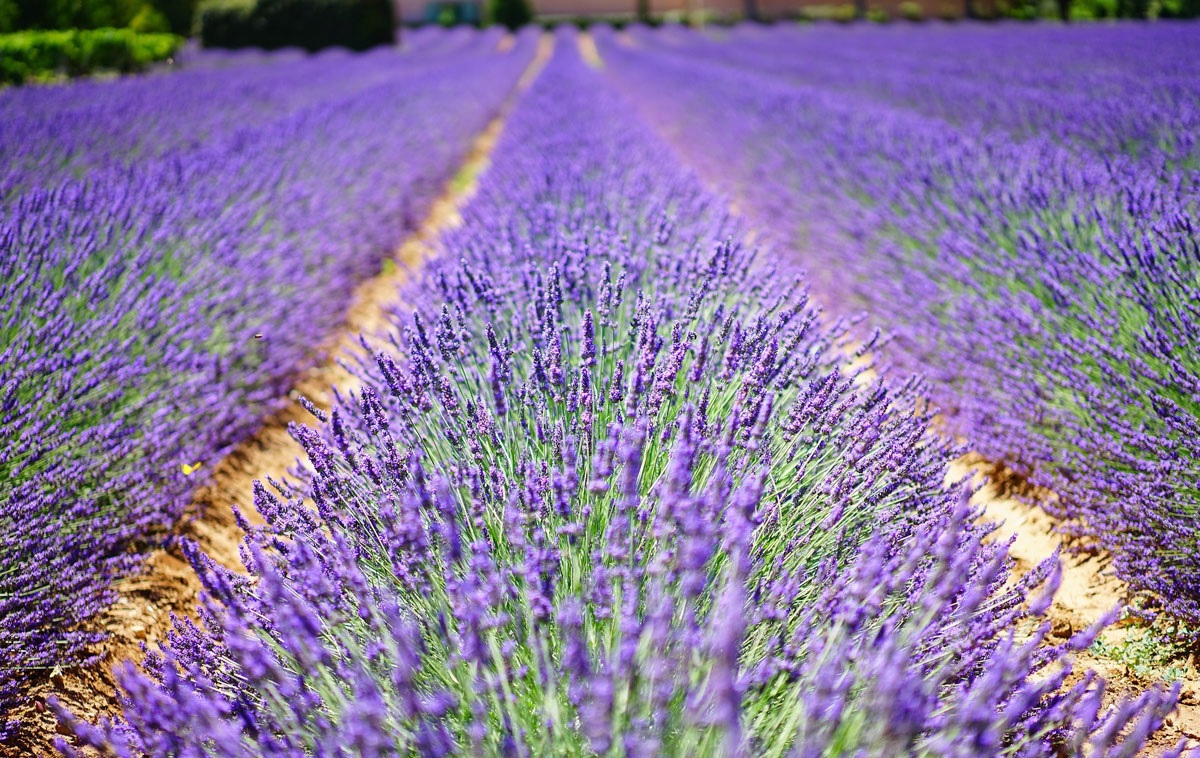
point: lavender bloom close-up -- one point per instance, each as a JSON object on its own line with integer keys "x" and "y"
{"x": 613, "y": 483}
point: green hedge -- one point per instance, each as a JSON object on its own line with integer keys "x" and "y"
{"x": 310, "y": 24}
{"x": 32, "y": 55}
{"x": 510, "y": 13}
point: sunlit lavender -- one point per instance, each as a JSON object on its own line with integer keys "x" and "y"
{"x": 614, "y": 484}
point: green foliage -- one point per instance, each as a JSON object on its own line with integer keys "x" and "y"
{"x": 510, "y": 13}
{"x": 179, "y": 14}
{"x": 150, "y": 20}
{"x": 1147, "y": 653}
{"x": 310, "y": 24}
{"x": 33, "y": 55}
{"x": 9, "y": 13}
{"x": 140, "y": 15}
{"x": 226, "y": 23}
{"x": 77, "y": 14}
{"x": 1088, "y": 10}
{"x": 1179, "y": 9}
{"x": 911, "y": 11}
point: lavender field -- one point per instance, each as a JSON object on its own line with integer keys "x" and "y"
{"x": 689, "y": 355}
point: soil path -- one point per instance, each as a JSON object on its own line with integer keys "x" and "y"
{"x": 168, "y": 585}
{"x": 1126, "y": 657}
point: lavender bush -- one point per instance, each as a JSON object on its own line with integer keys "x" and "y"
{"x": 612, "y": 490}
{"x": 147, "y": 252}
{"x": 1044, "y": 278}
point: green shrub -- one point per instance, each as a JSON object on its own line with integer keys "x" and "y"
{"x": 226, "y": 23}
{"x": 150, "y": 20}
{"x": 510, "y": 13}
{"x": 911, "y": 11}
{"x": 180, "y": 14}
{"x": 32, "y": 55}
{"x": 77, "y": 14}
{"x": 10, "y": 12}
{"x": 310, "y": 24}
{"x": 140, "y": 15}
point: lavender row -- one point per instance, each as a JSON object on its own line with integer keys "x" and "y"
{"x": 143, "y": 330}
{"x": 79, "y": 130}
{"x": 1117, "y": 90}
{"x": 610, "y": 489}
{"x": 1048, "y": 287}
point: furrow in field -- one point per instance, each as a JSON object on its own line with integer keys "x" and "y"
{"x": 1088, "y": 591}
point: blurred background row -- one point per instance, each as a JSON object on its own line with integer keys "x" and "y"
{"x": 49, "y": 39}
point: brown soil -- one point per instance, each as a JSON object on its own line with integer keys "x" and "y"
{"x": 168, "y": 585}
{"x": 1088, "y": 591}
{"x": 588, "y": 51}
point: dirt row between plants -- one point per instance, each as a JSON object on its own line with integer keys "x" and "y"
{"x": 1088, "y": 591}
{"x": 168, "y": 586}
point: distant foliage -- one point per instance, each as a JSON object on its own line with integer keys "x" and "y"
{"x": 510, "y": 13}
{"x": 9, "y": 13}
{"x": 310, "y": 24}
{"x": 29, "y": 55}
{"x": 180, "y": 15}
{"x": 141, "y": 15}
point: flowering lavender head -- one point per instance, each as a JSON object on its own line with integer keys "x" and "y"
{"x": 754, "y": 555}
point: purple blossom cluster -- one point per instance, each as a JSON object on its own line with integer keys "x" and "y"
{"x": 613, "y": 487}
{"x": 1017, "y": 207}
{"x": 173, "y": 249}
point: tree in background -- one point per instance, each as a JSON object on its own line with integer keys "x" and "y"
{"x": 510, "y": 13}
{"x": 9, "y": 13}
{"x": 310, "y": 24}
{"x": 140, "y": 15}
{"x": 179, "y": 14}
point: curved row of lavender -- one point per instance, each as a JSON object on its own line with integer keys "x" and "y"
{"x": 164, "y": 279}
{"x": 219, "y": 95}
{"x": 1118, "y": 89}
{"x": 1045, "y": 280}
{"x": 612, "y": 490}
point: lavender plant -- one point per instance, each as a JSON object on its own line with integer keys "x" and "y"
{"x": 144, "y": 255}
{"x": 1042, "y": 278}
{"x": 610, "y": 489}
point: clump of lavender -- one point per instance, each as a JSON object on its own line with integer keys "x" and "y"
{"x": 147, "y": 229}
{"x": 1030, "y": 244}
{"x": 612, "y": 490}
